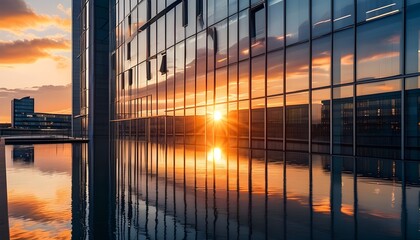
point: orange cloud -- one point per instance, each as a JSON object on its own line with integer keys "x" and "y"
{"x": 29, "y": 51}
{"x": 16, "y": 16}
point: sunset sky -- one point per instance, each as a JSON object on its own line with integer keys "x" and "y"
{"x": 35, "y": 54}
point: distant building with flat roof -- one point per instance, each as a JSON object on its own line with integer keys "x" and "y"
{"x": 24, "y": 116}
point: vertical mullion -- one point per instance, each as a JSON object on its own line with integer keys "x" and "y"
{"x": 310, "y": 78}
{"x": 403, "y": 42}
{"x": 354, "y": 78}
{"x": 284, "y": 78}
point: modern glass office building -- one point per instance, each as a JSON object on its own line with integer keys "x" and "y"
{"x": 91, "y": 77}
{"x": 24, "y": 116}
{"x": 321, "y": 76}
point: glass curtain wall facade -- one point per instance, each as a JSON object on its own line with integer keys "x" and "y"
{"x": 93, "y": 81}
{"x": 321, "y": 76}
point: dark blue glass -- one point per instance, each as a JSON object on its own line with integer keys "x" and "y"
{"x": 412, "y": 118}
{"x": 297, "y": 21}
{"x": 378, "y": 119}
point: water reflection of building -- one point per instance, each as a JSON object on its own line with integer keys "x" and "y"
{"x": 4, "y": 218}
{"x": 190, "y": 191}
{"x": 22, "y": 153}
{"x": 93, "y": 187}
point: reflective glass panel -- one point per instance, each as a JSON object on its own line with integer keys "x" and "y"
{"x": 275, "y": 73}
{"x": 321, "y": 62}
{"x": 233, "y": 39}
{"x": 222, "y": 44}
{"x": 297, "y": 68}
{"x": 221, "y": 85}
{"x": 321, "y": 120}
{"x": 343, "y": 13}
{"x": 379, "y": 48}
{"x": 343, "y": 56}
{"x": 378, "y": 121}
{"x": 244, "y": 80}
{"x": 233, "y": 82}
{"x": 342, "y": 120}
{"x": 413, "y": 38}
{"x": 275, "y": 118}
{"x": 243, "y": 35}
{"x": 297, "y": 121}
{"x": 257, "y": 117}
{"x": 275, "y": 24}
{"x": 190, "y": 73}
{"x": 321, "y": 17}
{"x": 412, "y": 118}
{"x": 297, "y": 21}
{"x": 258, "y": 77}
{"x": 257, "y": 31}
{"x": 201, "y": 69}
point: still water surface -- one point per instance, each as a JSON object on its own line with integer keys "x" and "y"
{"x": 158, "y": 191}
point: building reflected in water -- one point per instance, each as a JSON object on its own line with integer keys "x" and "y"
{"x": 191, "y": 191}
{"x": 24, "y": 154}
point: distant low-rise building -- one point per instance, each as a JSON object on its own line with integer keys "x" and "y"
{"x": 5, "y": 125}
{"x": 24, "y": 116}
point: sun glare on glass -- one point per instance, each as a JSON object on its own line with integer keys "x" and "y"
{"x": 217, "y": 116}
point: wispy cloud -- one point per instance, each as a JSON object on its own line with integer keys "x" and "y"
{"x": 64, "y": 10}
{"x": 16, "y": 16}
{"x": 29, "y": 51}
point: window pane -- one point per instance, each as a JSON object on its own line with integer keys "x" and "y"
{"x": 233, "y": 6}
{"x": 170, "y": 27}
{"x": 243, "y": 35}
{"x": 244, "y": 80}
{"x": 190, "y": 73}
{"x": 274, "y": 121}
{"x": 221, "y": 9}
{"x": 372, "y": 9}
{"x": 297, "y": 121}
{"x": 221, "y": 85}
{"x": 297, "y": 21}
{"x": 275, "y": 28}
{"x": 201, "y": 69}
{"x": 233, "y": 82}
{"x": 413, "y": 39}
{"x": 412, "y": 118}
{"x": 243, "y": 4}
{"x": 179, "y": 75}
{"x": 342, "y": 117}
{"x": 321, "y": 62}
{"x": 258, "y": 77}
{"x": 179, "y": 28}
{"x": 379, "y": 119}
{"x": 258, "y": 118}
{"x": 297, "y": 68}
{"x": 258, "y": 31}
{"x": 243, "y": 119}
{"x": 379, "y": 47}
{"x": 343, "y": 13}
{"x": 321, "y": 17}
{"x": 192, "y": 17}
{"x": 343, "y": 57}
{"x": 233, "y": 39}
{"x": 222, "y": 44}
{"x": 275, "y": 73}
{"x": 321, "y": 121}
